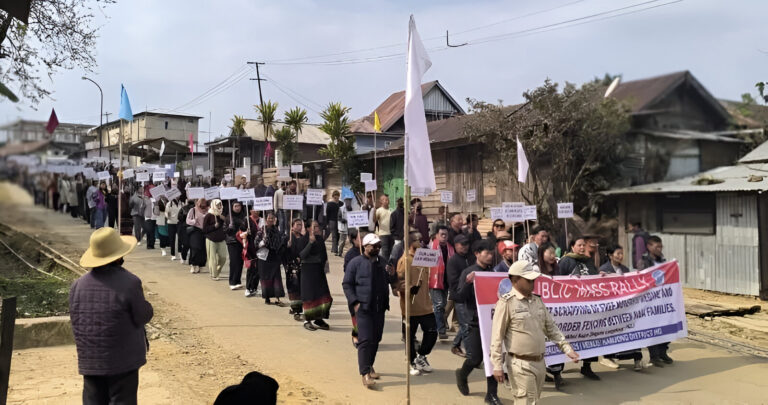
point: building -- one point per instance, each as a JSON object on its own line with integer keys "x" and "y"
{"x": 66, "y": 139}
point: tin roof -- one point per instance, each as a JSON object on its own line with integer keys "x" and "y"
{"x": 758, "y": 155}
{"x": 310, "y": 133}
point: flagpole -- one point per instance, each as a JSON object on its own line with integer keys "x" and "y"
{"x": 120, "y": 180}
{"x": 407, "y": 290}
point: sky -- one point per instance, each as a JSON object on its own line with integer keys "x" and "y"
{"x": 169, "y": 53}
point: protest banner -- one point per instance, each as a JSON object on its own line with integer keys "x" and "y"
{"x": 513, "y": 212}
{"x": 158, "y": 176}
{"x": 293, "y": 202}
{"x": 565, "y": 210}
{"x": 128, "y": 173}
{"x": 426, "y": 257}
{"x": 157, "y": 191}
{"x": 89, "y": 173}
{"x": 207, "y": 174}
{"x": 103, "y": 175}
{"x": 314, "y": 196}
{"x": 142, "y": 177}
{"x": 446, "y": 197}
{"x": 370, "y": 185}
{"x": 228, "y": 193}
{"x": 497, "y": 213}
{"x": 199, "y": 170}
{"x": 246, "y": 195}
{"x": 173, "y": 193}
{"x": 297, "y": 168}
{"x": 529, "y": 213}
{"x": 262, "y": 204}
{"x": 357, "y": 219}
{"x": 598, "y": 315}
{"x": 194, "y": 193}
{"x": 471, "y": 195}
{"x": 366, "y": 177}
{"x": 211, "y": 193}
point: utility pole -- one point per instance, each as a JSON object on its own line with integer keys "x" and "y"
{"x": 258, "y": 80}
{"x": 109, "y": 143}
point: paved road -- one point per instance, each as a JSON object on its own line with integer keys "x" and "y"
{"x": 326, "y": 360}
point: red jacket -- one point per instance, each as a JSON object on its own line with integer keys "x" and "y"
{"x": 437, "y": 273}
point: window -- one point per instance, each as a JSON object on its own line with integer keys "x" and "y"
{"x": 166, "y": 124}
{"x": 692, "y": 213}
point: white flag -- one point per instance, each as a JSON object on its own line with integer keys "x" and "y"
{"x": 522, "y": 163}
{"x": 162, "y": 148}
{"x": 418, "y": 156}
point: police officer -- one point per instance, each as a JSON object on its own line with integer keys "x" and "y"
{"x": 521, "y": 322}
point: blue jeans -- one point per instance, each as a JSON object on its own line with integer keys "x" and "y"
{"x": 461, "y": 309}
{"x": 99, "y": 216}
{"x": 439, "y": 298}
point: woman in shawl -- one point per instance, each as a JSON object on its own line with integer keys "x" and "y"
{"x": 315, "y": 294}
{"x": 238, "y": 222}
{"x": 215, "y": 244}
{"x": 100, "y": 200}
{"x": 292, "y": 263}
{"x": 255, "y": 227}
{"x": 269, "y": 242}
{"x": 197, "y": 257}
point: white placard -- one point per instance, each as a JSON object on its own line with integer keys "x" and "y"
{"x": 497, "y": 213}
{"x": 243, "y": 171}
{"x": 366, "y": 177}
{"x": 446, "y": 197}
{"x": 293, "y": 202}
{"x": 207, "y": 173}
{"x": 89, "y": 173}
{"x": 284, "y": 172}
{"x": 142, "y": 176}
{"x": 357, "y": 219}
{"x": 472, "y": 195}
{"x": 128, "y": 173}
{"x": 103, "y": 175}
{"x": 176, "y": 175}
{"x": 565, "y": 210}
{"x": 199, "y": 170}
{"x": 228, "y": 177}
{"x": 193, "y": 193}
{"x": 417, "y": 193}
{"x": 297, "y": 168}
{"x": 513, "y": 212}
{"x": 187, "y": 172}
{"x": 314, "y": 196}
{"x": 158, "y": 176}
{"x": 370, "y": 185}
{"x": 262, "y": 204}
{"x": 157, "y": 191}
{"x": 211, "y": 193}
{"x": 246, "y": 194}
{"x": 426, "y": 257}
{"x": 529, "y": 213}
{"x": 229, "y": 193}
{"x": 173, "y": 193}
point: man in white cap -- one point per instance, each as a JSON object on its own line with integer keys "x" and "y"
{"x": 521, "y": 322}
{"x": 108, "y": 313}
{"x": 366, "y": 285}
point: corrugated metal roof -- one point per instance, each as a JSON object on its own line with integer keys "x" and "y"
{"x": 689, "y": 134}
{"x": 310, "y": 134}
{"x": 734, "y": 178}
{"x": 758, "y": 155}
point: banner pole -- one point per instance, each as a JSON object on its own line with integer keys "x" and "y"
{"x": 565, "y": 222}
{"x": 120, "y": 180}
{"x": 407, "y": 289}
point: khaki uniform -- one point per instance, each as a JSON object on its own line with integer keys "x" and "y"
{"x": 522, "y": 324}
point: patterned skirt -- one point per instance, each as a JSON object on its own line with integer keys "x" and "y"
{"x": 315, "y": 294}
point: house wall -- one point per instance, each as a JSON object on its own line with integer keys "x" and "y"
{"x": 364, "y": 142}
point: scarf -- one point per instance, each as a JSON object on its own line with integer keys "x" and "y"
{"x": 216, "y": 207}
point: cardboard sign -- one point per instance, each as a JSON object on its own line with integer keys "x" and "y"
{"x": 297, "y": 168}
{"x": 426, "y": 257}
{"x": 194, "y": 193}
{"x": 370, "y": 185}
{"x": 293, "y": 202}
{"x": 366, "y": 177}
{"x": 211, "y": 193}
{"x": 103, "y": 175}
{"x": 446, "y": 197}
{"x": 529, "y": 213}
{"x": 142, "y": 177}
{"x": 158, "y": 176}
{"x": 357, "y": 219}
{"x": 565, "y": 210}
{"x": 128, "y": 173}
{"x": 228, "y": 193}
{"x": 471, "y": 195}
{"x": 157, "y": 192}
{"x": 173, "y": 193}
{"x": 262, "y": 204}
{"x": 176, "y": 175}
{"x": 314, "y": 196}
{"x": 187, "y": 172}
{"x": 497, "y": 213}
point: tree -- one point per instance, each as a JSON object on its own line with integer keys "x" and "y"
{"x": 295, "y": 119}
{"x": 341, "y": 149}
{"x": 60, "y": 34}
{"x": 267, "y": 118}
{"x": 573, "y": 140}
{"x": 238, "y": 126}
{"x": 285, "y": 144}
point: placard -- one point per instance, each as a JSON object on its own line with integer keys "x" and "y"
{"x": 314, "y": 196}
{"x": 446, "y": 197}
{"x": 103, "y": 175}
{"x": 228, "y": 193}
{"x": 262, "y": 204}
{"x": 565, "y": 210}
{"x": 370, "y": 185}
{"x": 246, "y": 194}
{"x": 529, "y": 213}
{"x": 366, "y": 177}
{"x": 297, "y": 168}
{"x": 513, "y": 212}
{"x": 497, "y": 213}
{"x": 187, "y": 172}
{"x": 293, "y": 202}
{"x": 128, "y": 173}
{"x": 143, "y": 177}
{"x": 284, "y": 172}
{"x": 199, "y": 170}
{"x": 157, "y": 191}
{"x": 211, "y": 193}
{"x": 207, "y": 173}
{"x": 173, "y": 193}
{"x": 176, "y": 175}
{"x": 426, "y": 257}
{"x": 243, "y": 171}
{"x": 193, "y": 193}
{"x": 357, "y": 219}
{"x": 228, "y": 177}
{"x": 472, "y": 195}
{"x": 158, "y": 176}
{"x": 89, "y": 173}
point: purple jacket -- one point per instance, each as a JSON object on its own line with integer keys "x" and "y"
{"x": 108, "y": 313}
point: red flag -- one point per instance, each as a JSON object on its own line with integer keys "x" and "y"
{"x": 53, "y": 122}
{"x": 191, "y": 143}
{"x": 268, "y": 150}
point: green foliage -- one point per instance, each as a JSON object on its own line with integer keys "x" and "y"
{"x": 286, "y": 145}
{"x": 341, "y": 149}
{"x": 606, "y": 80}
{"x": 761, "y": 89}
{"x": 267, "y": 118}
{"x": 238, "y": 126}
{"x": 295, "y": 118}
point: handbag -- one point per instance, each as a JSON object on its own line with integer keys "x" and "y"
{"x": 262, "y": 253}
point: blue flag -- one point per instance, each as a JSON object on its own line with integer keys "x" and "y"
{"x": 346, "y": 192}
{"x": 125, "y": 105}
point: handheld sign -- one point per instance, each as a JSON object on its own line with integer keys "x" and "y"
{"x": 357, "y": 219}
{"x": 228, "y": 193}
{"x": 228, "y": 177}
{"x": 142, "y": 176}
{"x": 370, "y": 185}
{"x": 247, "y": 194}
{"x": 207, "y": 173}
{"x": 513, "y": 212}
{"x": 187, "y": 172}
{"x": 529, "y": 213}
{"x": 211, "y": 193}
{"x": 284, "y": 173}
{"x": 128, "y": 173}
{"x": 173, "y": 193}
{"x": 293, "y": 202}
{"x": 176, "y": 175}
{"x": 366, "y": 177}
{"x": 243, "y": 171}
{"x": 417, "y": 193}
{"x": 497, "y": 213}
{"x": 446, "y": 197}
{"x": 157, "y": 192}
{"x": 88, "y": 173}
{"x": 297, "y": 168}
{"x": 199, "y": 170}
{"x": 262, "y": 204}
{"x": 426, "y": 257}
{"x": 472, "y": 195}
{"x": 158, "y": 176}
{"x": 565, "y": 210}
{"x": 194, "y": 193}
{"x": 103, "y": 175}
{"x": 314, "y": 196}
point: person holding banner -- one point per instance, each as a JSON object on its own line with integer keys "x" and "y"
{"x": 297, "y": 241}
{"x": 136, "y": 204}
{"x": 471, "y": 229}
{"x": 332, "y": 209}
{"x": 237, "y": 223}
{"x": 456, "y": 264}
{"x": 149, "y": 219}
{"x": 530, "y": 252}
{"x": 215, "y": 236}
{"x": 315, "y": 294}
{"x": 343, "y": 228}
{"x": 418, "y": 220}
{"x": 197, "y": 257}
{"x": 652, "y": 257}
{"x": 506, "y": 249}
{"x": 100, "y": 205}
{"x": 437, "y": 285}
{"x": 269, "y": 241}
{"x": 383, "y": 229}
{"x": 352, "y": 253}
{"x": 522, "y": 323}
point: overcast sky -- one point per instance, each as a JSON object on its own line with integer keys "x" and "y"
{"x": 167, "y": 53}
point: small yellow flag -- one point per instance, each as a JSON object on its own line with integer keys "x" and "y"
{"x": 376, "y": 122}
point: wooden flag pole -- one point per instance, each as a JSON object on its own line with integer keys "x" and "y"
{"x": 120, "y": 180}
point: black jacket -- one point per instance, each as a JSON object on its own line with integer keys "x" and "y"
{"x": 456, "y": 264}
{"x": 466, "y": 293}
{"x": 367, "y": 282}
{"x": 397, "y": 223}
{"x": 238, "y": 223}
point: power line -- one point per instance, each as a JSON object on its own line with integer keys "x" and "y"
{"x": 284, "y": 91}
{"x": 243, "y": 69}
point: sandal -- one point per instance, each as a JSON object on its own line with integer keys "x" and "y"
{"x": 308, "y": 326}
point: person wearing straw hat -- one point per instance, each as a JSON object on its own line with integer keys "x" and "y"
{"x": 108, "y": 312}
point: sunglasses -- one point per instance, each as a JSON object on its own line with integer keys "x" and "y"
{"x": 498, "y": 225}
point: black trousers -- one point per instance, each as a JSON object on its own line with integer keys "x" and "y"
{"x": 183, "y": 240}
{"x": 333, "y": 230}
{"x": 172, "y": 230}
{"x": 252, "y": 276}
{"x": 117, "y": 389}
{"x": 149, "y": 231}
{"x": 658, "y": 350}
{"x": 235, "y": 251}
{"x": 428, "y": 325}
{"x": 138, "y": 227}
{"x": 370, "y": 327}
{"x": 474, "y": 345}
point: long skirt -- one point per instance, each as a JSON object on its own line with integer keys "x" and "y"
{"x": 270, "y": 279}
{"x": 315, "y": 294}
{"x": 293, "y": 285}
{"x": 197, "y": 256}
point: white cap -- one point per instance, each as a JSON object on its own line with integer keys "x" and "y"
{"x": 524, "y": 269}
{"x": 371, "y": 239}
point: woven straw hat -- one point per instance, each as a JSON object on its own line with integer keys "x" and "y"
{"x": 106, "y": 246}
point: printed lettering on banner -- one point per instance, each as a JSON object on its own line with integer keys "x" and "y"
{"x": 446, "y": 197}
{"x": 497, "y": 213}
{"x": 513, "y": 212}
{"x": 157, "y": 191}
{"x": 89, "y": 173}
{"x": 103, "y": 175}
{"x": 366, "y": 177}
{"x": 565, "y": 210}
{"x": 370, "y": 185}
{"x": 417, "y": 193}
{"x": 426, "y": 257}
{"x": 243, "y": 171}
{"x": 262, "y": 204}
{"x": 297, "y": 168}
{"x": 187, "y": 172}
{"x": 173, "y": 193}
{"x": 158, "y": 176}
{"x": 211, "y": 193}
{"x": 143, "y": 177}
{"x": 529, "y": 213}
{"x": 194, "y": 193}
{"x": 314, "y": 196}
{"x": 472, "y": 195}
{"x": 357, "y": 219}
{"x": 293, "y": 202}
{"x": 128, "y": 173}
{"x": 228, "y": 177}
{"x": 597, "y": 315}
{"x": 246, "y": 194}
{"x": 228, "y": 193}
{"x": 176, "y": 175}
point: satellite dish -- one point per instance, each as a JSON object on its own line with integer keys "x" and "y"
{"x": 612, "y": 87}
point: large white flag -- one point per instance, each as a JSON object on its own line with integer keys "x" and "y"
{"x": 522, "y": 163}
{"x": 162, "y": 148}
{"x": 421, "y": 174}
